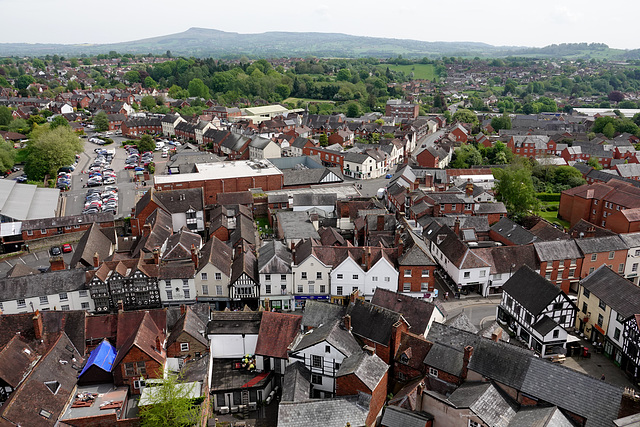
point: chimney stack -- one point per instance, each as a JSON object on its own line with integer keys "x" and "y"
{"x": 57, "y": 263}
{"x": 456, "y": 226}
{"x": 346, "y": 320}
{"x": 156, "y": 256}
{"x": 146, "y": 229}
{"x": 158, "y": 347}
{"x": 468, "y": 352}
{"x": 120, "y": 306}
{"x": 37, "y": 325}
{"x": 468, "y": 189}
{"x": 194, "y": 256}
{"x": 96, "y": 260}
{"x": 183, "y": 309}
{"x": 591, "y": 232}
{"x": 380, "y": 223}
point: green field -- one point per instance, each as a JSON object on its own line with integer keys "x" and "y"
{"x": 549, "y": 211}
{"x": 295, "y": 100}
{"x": 420, "y": 71}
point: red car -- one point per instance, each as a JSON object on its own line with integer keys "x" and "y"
{"x": 66, "y": 248}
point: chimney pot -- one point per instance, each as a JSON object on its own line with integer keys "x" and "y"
{"x": 37, "y": 325}
{"x": 96, "y": 260}
{"x": 346, "y": 320}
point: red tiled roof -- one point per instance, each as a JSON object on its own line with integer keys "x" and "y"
{"x": 277, "y": 331}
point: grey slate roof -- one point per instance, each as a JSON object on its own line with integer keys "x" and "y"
{"x": 549, "y": 416}
{"x": 513, "y": 232}
{"x": 632, "y": 240}
{"x": 486, "y": 401}
{"x": 50, "y": 283}
{"x": 445, "y": 358}
{"x": 395, "y": 416}
{"x": 545, "y": 325}
{"x": 372, "y": 321}
{"x": 416, "y": 312}
{"x": 531, "y": 290}
{"x": 617, "y": 292}
{"x": 334, "y": 334}
{"x": 274, "y": 258}
{"x": 335, "y": 412}
{"x": 296, "y": 386}
{"x": 296, "y": 225}
{"x": 557, "y": 250}
{"x": 370, "y": 369}
{"x": 601, "y": 244}
{"x": 317, "y": 313}
{"x": 461, "y": 321}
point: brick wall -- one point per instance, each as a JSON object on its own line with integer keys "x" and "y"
{"x": 416, "y": 280}
{"x": 154, "y": 369}
{"x": 195, "y": 346}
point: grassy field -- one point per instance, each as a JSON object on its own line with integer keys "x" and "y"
{"x": 420, "y": 71}
{"x": 295, "y": 100}
{"x": 549, "y": 211}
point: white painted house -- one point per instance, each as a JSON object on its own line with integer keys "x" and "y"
{"x": 632, "y": 240}
{"x": 309, "y": 273}
{"x": 364, "y": 274}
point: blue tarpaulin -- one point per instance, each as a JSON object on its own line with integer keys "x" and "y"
{"x": 102, "y": 356}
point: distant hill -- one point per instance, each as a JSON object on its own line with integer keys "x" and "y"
{"x": 202, "y": 42}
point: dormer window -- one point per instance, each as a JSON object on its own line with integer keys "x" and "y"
{"x": 53, "y": 386}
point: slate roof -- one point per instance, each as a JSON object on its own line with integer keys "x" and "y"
{"x": 486, "y": 400}
{"x": 191, "y": 324}
{"x": 296, "y": 225}
{"x": 461, "y": 321}
{"x": 513, "y": 232}
{"x": 395, "y": 416}
{"x": 372, "y": 321}
{"x": 234, "y": 322}
{"x": 316, "y": 313}
{"x": 277, "y": 332}
{"x": 179, "y": 201}
{"x": 336, "y": 412}
{"x": 531, "y": 290}
{"x": 218, "y": 254}
{"x": 245, "y": 263}
{"x": 445, "y": 358}
{"x": 296, "y": 385}
{"x": 274, "y": 258}
{"x": 416, "y": 312}
{"x": 546, "y": 232}
{"x": 507, "y": 259}
{"x": 49, "y": 283}
{"x": 557, "y": 250}
{"x": 368, "y": 368}
{"x": 545, "y": 325}
{"x": 617, "y": 292}
{"x": 20, "y": 269}
{"x": 16, "y": 360}
{"x": 601, "y": 244}
{"x": 549, "y": 416}
{"x": 334, "y": 334}
{"x": 178, "y": 245}
{"x": 144, "y": 339}
{"x": 92, "y": 241}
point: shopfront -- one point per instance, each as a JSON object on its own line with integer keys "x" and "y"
{"x": 301, "y": 299}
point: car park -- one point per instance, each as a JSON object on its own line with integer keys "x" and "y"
{"x": 66, "y": 248}
{"x": 22, "y": 178}
{"x": 55, "y": 251}
{"x": 109, "y": 180}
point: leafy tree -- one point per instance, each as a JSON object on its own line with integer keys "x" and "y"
{"x": 24, "y": 81}
{"x": 5, "y": 115}
{"x": 503, "y": 122}
{"x": 169, "y": 404}
{"x": 344, "y": 75}
{"x": 466, "y": 156}
{"x": 197, "y": 88}
{"x": 514, "y": 187}
{"x": 283, "y": 90}
{"x": 323, "y": 139}
{"x": 146, "y": 143}
{"x": 74, "y": 62}
{"x": 20, "y": 126}
{"x": 148, "y": 102}
{"x": 58, "y": 121}
{"x": 615, "y": 96}
{"x": 132, "y": 76}
{"x": 149, "y": 82}
{"x": 101, "y": 121}
{"x": 48, "y": 150}
{"x": 465, "y": 116}
{"x": 594, "y": 163}
{"x": 353, "y": 109}
{"x": 609, "y": 130}
{"x": 7, "y": 156}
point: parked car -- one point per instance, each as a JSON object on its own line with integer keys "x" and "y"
{"x": 55, "y": 251}
{"x": 66, "y": 248}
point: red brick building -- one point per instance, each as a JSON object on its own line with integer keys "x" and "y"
{"x": 401, "y": 109}
{"x": 49, "y": 227}
{"x": 608, "y": 250}
{"x": 185, "y": 340}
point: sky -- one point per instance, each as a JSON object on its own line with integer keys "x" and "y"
{"x": 497, "y": 22}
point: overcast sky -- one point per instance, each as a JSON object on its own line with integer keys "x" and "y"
{"x": 497, "y": 22}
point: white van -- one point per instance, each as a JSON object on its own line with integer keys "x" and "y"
{"x": 159, "y": 145}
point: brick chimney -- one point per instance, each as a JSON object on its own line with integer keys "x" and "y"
{"x": 146, "y": 229}
{"x": 183, "y": 309}
{"x": 380, "y": 223}
{"x": 156, "y": 256}
{"x": 456, "y": 226}
{"x": 346, "y": 321}
{"x": 96, "y": 260}
{"x": 158, "y": 345}
{"x": 194, "y": 256}
{"x": 57, "y": 263}
{"x": 468, "y": 189}
{"x": 591, "y": 232}
{"x": 38, "y": 328}
{"x": 369, "y": 259}
{"x": 468, "y": 352}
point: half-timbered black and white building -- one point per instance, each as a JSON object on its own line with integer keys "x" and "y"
{"x": 244, "y": 286}
{"x": 631, "y": 346}
{"x": 537, "y": 311}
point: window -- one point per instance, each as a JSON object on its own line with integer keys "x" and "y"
{"x": 300, "y": 289}
{"x": 527, "y": 318}
{"x": 354, "y": 277}
{"x": 169, "y": 294}
{"x": 353, "y": 289}
{"x": 303, "y": 275}
{"x": 339, "y": 290}
{"x": 267, "y": 289}
{"x": 572, "y": 272}
{"x": 45, "y": 413}
{"x": 584, "y": 307}
{"x": 312, "y": 289}
{"x": 424, "y": 287}
{"x": 620, "y": 318}
{"x": 637, "y": 252}
{"x": 483, "y": 273}
{"x": 556, "y": 333}
{"x": 600, "y": 320}
{"x": 591, "y": 270}
{"x": 203, "y": 276}
{"x": 129, "y": 370}
{"x": 616, "y": 334}
{"x": 319, "y": 275}
{"x": 621, "y": 268}
{"x": 634, "y": 267}
{"x": 29, "y": 232}
{"x": 557, "y": 306}
{"x": 374, "y": 278}
{"x": 184, "y": 346}
{"x": 548, "y": 275}
{"x": 467, "y": 274}
{"x": 53, "y": 386}
{"x": 316, "y": 379}
{"x": 218, "y": 289}
{"x": 218, "y": 276}
{"x": 327, "y": 349}
{"x": 612, "y": 254}
{"x": 594, "y": 257}
{"x": 185, "y": 283}
{"x": 187, "y": 294}
{"x": 425, "y": 273}
{"x": 316, "y": 361}
{"x": 407, "y": 273}
{"x": 339, "y": 276}
{"x": 141, "y": 368}
{"x": 323, "y": 289}
{"x": 84, "y": 306}
{"x": 473, "y": 424}
{"x": 63, "y": 296}
{"x": 433, "y": 372}
{"x": 65, "y": 307}
{"x": 44, "y": 300}
{"x": 406, "y": 287}
{"x": 43, "y": 231}
{"x": 138, "y": 384}
{"x": 205, "y": 289}
{"x": 267, "y": 277}
{"x": 22, "y": 303}
{"x": 83, "y": 294}
{"x": 602, "y": 305}
{"x": 167, "y": 283}
{"x": 283, "y": 277}
{"x": 586, "y": 292}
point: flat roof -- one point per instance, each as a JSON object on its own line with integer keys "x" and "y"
{"x": 342, "y": 191}
{"x": 221, "y": 170}
{"x": 266, "y": 109}
{"x": 103, "y": 393}
{"x": 26, "y": 201}
{"x": 191, "y": 390}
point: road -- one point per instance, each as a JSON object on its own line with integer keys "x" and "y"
{"x": 427, "y": 141}
{"x": 480, "y": 314}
